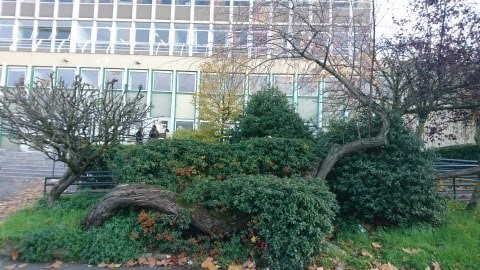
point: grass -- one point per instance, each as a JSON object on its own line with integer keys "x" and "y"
{"x": 65, "y": 214}
{"x": 454, "y": 245}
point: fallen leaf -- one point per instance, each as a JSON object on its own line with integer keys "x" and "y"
{"x": 114, "y": 265}
{"x": 11, "y": 267}
{"x": 387, "y": 266}
{"x": 151, "y": 262}
{"x": 249, "y": 265}
{"x": 208, "y": 264}
{"x": 56, "y": 265}
{"x": 142, "y": 261}
{"x": 102, "y": 264}
{"x": 14, "y": 255}
{"x": 366, "y": 254}
{"x": 411, "y": 251}
{"x": 23, "y": 265}
{"x": 436, "y": 266}
{"x": 376, "y": 245}
{"x": 235, "y": 267}
{"x": 131, "y": 263}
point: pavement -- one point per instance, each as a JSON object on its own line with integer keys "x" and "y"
{"x": 15, "y": 195}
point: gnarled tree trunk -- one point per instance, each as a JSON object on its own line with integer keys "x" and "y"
{"x": 207, "y": 221}
{"x": 67, "y": 179}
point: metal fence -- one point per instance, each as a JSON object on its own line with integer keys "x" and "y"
{"x": 457, "y": 188}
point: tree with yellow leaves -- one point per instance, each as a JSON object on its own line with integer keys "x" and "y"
{"x": 220, "y": 98}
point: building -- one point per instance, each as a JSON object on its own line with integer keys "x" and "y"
{"x": 155, "y": 44}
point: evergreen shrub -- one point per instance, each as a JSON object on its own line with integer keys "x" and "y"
{"x": 389, "y": 185}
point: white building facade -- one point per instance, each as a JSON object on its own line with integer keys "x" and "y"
{"x": 157, "y": 45}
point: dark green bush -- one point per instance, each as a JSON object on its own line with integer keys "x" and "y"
{"x": 112, "y": 242}
{"x": 463, "y": 151}
{"x": 289, "y": 217}
{"x": 175, "y": 163}
{"x": 269, "y": 113}
{"x": 390, "y": 185}
{"x": 52, "y": 243}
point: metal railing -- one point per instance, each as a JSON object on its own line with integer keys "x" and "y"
{"x": 458, "y": 188}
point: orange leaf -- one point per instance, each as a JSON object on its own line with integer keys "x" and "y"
{"x": 23, "y": 265}
{"x": 387, "y": 266}
{"x": 151, "y": 262}
{"x": 376, "y": 245}
{"x": 56, "y": 265}
{"x": 14, "y": 255}
{"x": 208, "y": 264}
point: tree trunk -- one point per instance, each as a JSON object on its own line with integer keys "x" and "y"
{"x": 421, "y": 126}
{"x": 215, "y": 224}
{"x": 338, "y": 151}
{"x": 67, "y": 179}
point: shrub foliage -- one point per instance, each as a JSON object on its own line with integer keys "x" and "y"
{"x": 390, "y": 185}
{"x": 269, "y": 113}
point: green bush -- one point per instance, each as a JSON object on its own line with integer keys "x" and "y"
{"x": 269, "y": 113}
{"x": 463, "y": 151}
{"x": 175, "y": 163}
{"x": 112, "y": 242}
{"x": 52, "y": 243}
{"x": 389, "y": 185}
{"x": 289, "y": 217}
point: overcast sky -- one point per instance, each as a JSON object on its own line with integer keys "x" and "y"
{"x": 386, "y": 10}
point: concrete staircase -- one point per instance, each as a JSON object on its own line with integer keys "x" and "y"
{"x": 18, "y": 166}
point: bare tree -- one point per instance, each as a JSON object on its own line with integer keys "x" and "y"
{"x": 74, "y": 124}
{"x": 432, "y": 67}
{"x": 333, "y": 39}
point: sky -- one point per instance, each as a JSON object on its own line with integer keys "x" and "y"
{"x": 386, "y": 10}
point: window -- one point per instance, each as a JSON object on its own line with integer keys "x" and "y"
{"x": 44, "y": 34}
{"x": 241, "y": 3}
{"x": 202, "y": 2}
{"x": 84, "y": 33}
{"x": 62, "y": 36}
{"x": 220, "y": 35}
{"x": 144, "y": 2}
{"x": 142, "y": 37}
{"x": 161, "y": 37}
{"x": 256, "y": 82}
{"x": 41, "y": 76}
{"x": 186, "y": 82}
{"x": 103, "y": 35}
{"x": 162, "y": 81}
{"x": 66, "y": 75}
{"x": 122, "y": 43}
{"x": 137, "y": 79}
{"x": 222, "y": 3}
{"x": 164, "y": 2}
{"x": 90, "y": 77}
{"x": 180, "y": 41}
{"x": 25, "y": 34}
{"x": 200, "y": 38}
{"x": 240, "y": 36}
{"x": 16, "y": 76}
{"x": 6, "y": 30}
{"x": 114, "y": 75}
{"x": 260, "y": 38}
{"x": 307, "y": 86}
{"x": 183, "y": 2}
{"x": 284, "y": 83}
{"x": 183, "y": 125}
